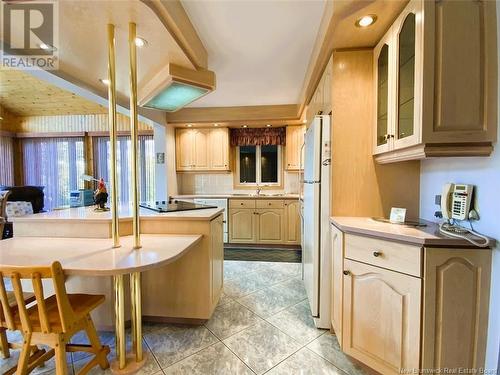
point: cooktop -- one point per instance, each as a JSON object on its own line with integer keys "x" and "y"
{"x": 173, "y": 205}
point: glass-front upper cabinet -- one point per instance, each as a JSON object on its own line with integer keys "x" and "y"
{"x": 406, "y": 79}
{"x": 382, "y": 65}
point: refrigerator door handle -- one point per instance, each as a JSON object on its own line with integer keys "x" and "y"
{"x": 327, "y": 162}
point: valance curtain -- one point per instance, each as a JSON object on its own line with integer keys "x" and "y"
{"x": 258, "y": 136}
{"x": 6, "y": 161}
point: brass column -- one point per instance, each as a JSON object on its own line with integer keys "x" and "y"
{"x": 135, "y": 278}
{"x": 112, "y": 133}
{"x": 118, "y": 279}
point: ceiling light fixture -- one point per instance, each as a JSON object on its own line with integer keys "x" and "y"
{"x": 189, "y": 125}
{"x": 244, "y": 126}
{"x": 366, "y": 21}
{"x": 141, "y": 42}
{"x": 47, "y": 47}
{"x": 104, "y": 81}
{"x": 268, "y": 125}
{"x": 216, "y": 124}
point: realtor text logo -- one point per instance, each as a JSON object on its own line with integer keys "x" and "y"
{"x": 30, "y": 35}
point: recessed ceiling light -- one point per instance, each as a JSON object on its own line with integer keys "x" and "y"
{"x": 104, "y": 81}
{"x": 47, "y": 47}
{"x": 366, "y": 21}
{"x": 304, "y": 121}
{"x": 140, "y": 42}
{"x": 268, "y": 125}
{"x": 189, "y": 125}
{"x": 216, "y": 124}
{"x": 244, "y": 126}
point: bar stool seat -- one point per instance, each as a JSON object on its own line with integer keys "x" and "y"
{"x": 82, "y": 305}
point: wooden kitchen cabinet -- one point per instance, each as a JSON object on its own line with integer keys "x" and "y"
{"x": 202, "y": 149}
{"x": 435, "y": 82}
{"x": 217, "y": 257}
{"x": 292, "y": 223}
{"x": 455, "y": 314}
{"x": 293, "y": 148}
{"x": 242, "y": 225}
{"x": 219, "y": 149}
{"x": 264, "y": 221}
{"x": 270, "y": 226}
{"x": 381, "y": 312}
{"x": 406, "y": 300}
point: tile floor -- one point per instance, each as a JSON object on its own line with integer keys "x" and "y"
{"x": 261, "y": 325}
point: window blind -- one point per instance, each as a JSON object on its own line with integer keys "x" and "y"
{"x": 6, "y": 161}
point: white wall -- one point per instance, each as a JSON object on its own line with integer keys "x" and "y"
{"x": 485, "y": 174}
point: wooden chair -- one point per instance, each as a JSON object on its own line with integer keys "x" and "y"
{"x": 3, "y": 214}
{"x": 52, "y": 321}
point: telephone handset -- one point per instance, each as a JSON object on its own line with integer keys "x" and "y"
{"x": 456, "y": 202}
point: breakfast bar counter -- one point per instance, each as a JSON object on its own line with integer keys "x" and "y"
{"x": 185, "y": 287}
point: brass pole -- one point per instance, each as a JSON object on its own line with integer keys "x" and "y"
{"x": 133, "y": 134}
{"x": 136, "y": 298}
{"x": 112, "y": 134}
{"x": 120, "y": 337}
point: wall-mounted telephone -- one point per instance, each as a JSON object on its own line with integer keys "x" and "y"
{"x": 456, "y": 201}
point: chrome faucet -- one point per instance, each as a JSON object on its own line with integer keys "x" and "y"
{"x": 259, "y": 189}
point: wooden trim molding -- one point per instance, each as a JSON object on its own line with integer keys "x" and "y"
{"x": 285, "y": 114}
{"x": 119, "y": 133}
{"x": 175, "y": 19}
{"x": 4, "y": 133}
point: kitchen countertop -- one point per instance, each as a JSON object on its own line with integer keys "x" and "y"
{"x": 423, "y": 236}
{"x": 235, "y": 196}
{"x": 88, "y": 214}
{"x": 96, "y": 257}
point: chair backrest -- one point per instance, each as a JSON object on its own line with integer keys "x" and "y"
{"x": 3, "y": 202}
{"x": 36, "y": 275}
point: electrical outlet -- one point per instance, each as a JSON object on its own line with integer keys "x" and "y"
{"x": 437, "y": 199}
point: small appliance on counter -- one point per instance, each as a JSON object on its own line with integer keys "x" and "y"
{"x": 173, "y": 205}
{"x": 81, "y": 197}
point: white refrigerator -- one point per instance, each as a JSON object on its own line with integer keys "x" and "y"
{"x": 316, "y": 215}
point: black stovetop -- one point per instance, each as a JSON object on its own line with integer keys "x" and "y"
{"x": 173, "y": 205}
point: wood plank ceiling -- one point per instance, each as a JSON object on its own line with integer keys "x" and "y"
{"x": 25, "y": 95}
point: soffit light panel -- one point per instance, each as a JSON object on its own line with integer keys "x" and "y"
{"x": 175, "y": 87}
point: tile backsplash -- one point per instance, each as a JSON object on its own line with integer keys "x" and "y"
{"x": 222, "y": 183}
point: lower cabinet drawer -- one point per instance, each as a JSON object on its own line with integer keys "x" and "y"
{"x": 241, "y": 203}
{"x": 270, "y": 203}
{"x": 391, "y": 255}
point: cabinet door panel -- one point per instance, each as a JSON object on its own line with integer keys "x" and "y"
{"x": 270, "y": 225}
{"x": 201, "y": 148}
{"x": 292, "y": 222}
{"x": 465, "y": 69}
{"x": 242, "y": 225}
{"x": 337, "y": 281}
{"x": 217, "y": 233}
{"x": 184, "y": 149}
{"x": 381, "y": 325}
{"x": 455, "y": 318}
{"x": 219, "y": 149}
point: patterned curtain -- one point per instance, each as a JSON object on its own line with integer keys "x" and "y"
{"x": 55, "y": 163}
{"x": 102, "y": 157}
{"x": 258, "y": 136}
{"x": 6, "y": 161}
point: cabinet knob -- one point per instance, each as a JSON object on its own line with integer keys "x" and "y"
{"x": 269, "y": 204}
{"x": 376, "y": 254}
{"x": 347, "y": 273}
{"x": 241, "y": 203}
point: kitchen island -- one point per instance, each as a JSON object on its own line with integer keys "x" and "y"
{"x": 186, "y": 290}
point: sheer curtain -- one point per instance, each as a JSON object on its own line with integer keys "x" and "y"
{"x": 102, "y": 158}
{"x": 6, "y": 161}
{"x": 55, "y": 163}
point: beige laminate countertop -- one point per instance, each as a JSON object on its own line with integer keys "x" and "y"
{"x": 88, "y": 214}
{"x": 235, "y": 196}
{"x": 96, "y": 257}
{"x": 423, "y": 236}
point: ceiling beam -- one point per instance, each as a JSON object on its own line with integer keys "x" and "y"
{"x": 175, "y": 19}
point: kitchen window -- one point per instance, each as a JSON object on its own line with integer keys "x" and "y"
{"x": 258, "y": 165}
